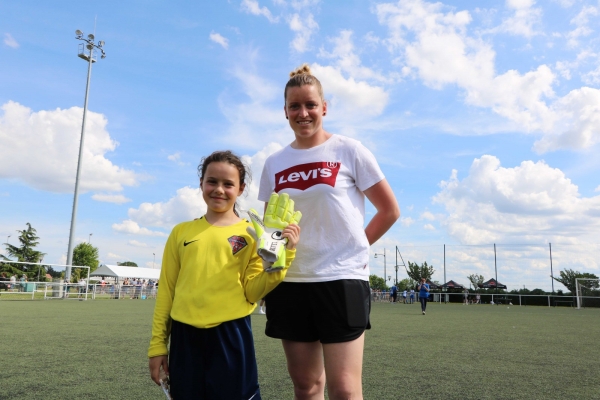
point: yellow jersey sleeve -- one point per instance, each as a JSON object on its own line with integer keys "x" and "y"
{"x": 258, "y": 283}
{"x": 161, "y": 323}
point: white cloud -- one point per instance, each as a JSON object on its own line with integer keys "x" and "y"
{"x": 256, "y": 163}
{"x": 136, "y": 243}
{"x": 581, "y": 22}
{"x": 10, "y": 41}
{"x": 565, "y": 67}
{"x": 429, "y": 227}
{"x": 346, "y": 95}
{"x": 346, "y": 59}
{"x": 132, "y": 228}
{"x": 578, "y": 122}
{"x": 406, "y": 221}
{"x": 592, "y": 77}
{"x": 253, "y": 120}
{"x": 442, "y": 53}
{"x": 523, "y": 20}
{"x": 217, "y": 38}
{"x": 52, "y": 138}
{"x": 174, "y": 157}
{"x": 428, "y": 216}
{"x": 304, "y": 27}
{"x": 114, "y": 256}
{"x": 111, "y": 198}
{"x": 186, "y": 205}
{"x": 252, "y": 7}
{"x": 529, "y": 203}
{"x": 597, "y": 189}
{"x": 565, "y": 3}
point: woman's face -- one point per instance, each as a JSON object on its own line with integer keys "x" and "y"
{"x": 305, "y": 109}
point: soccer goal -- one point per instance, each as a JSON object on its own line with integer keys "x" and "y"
{"x": 36, "y": 281}
{"x": 587, "y": 291}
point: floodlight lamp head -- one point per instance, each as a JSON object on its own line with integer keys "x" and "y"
{"x": 101, "y": 43}
{"x": 91, "y": 36}
{"x": 78, "y": 32}
{"x": 103, "y": 56}
{"x": 375, "y": 255}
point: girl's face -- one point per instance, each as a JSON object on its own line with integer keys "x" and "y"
{"x": 304, "y": 109}
{"x": 221, "y": 187}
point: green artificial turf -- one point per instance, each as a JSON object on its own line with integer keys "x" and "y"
{"x": 67, "y": 349}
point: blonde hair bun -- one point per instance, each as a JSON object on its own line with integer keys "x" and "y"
{"x": 304, "y": 69}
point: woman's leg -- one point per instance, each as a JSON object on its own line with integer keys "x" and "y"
{"x": 305, "y": 366}
{"x": 343, "y": 366}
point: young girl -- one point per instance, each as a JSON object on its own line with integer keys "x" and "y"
{"x": 330, "y": 175}
{"x": 210, "y": 281}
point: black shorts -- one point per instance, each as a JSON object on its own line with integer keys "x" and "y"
{"x": 330, "y": 312}
{"x": 213, "y": 363}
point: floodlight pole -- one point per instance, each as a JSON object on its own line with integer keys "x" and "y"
{"x": 551, "y": 273}
{"x": 153, "y": 259}
{"x": 90, "y": 59}
{"x": 384, "y": 265}
{"x": 496, "y": 268}
{"x": 445, "y": 281}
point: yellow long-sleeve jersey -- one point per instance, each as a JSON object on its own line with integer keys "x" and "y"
{"x": 210, "y": 274}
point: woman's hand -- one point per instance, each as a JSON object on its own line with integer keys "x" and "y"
{"x": 154, "y": 363}
{"x": 292, "y": 233}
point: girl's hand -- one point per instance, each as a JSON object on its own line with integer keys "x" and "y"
{"x": 292, "y": 233}
{"x": 154, "y": 363}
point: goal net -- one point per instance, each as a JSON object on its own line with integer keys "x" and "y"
{"x": 32, "y": 281}
{"x": 587, "y": 291}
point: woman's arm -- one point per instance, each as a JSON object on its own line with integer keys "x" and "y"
{"x": 388, "y": 211}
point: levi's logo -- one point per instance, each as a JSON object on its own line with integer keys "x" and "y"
{"x": 303, "y": 176}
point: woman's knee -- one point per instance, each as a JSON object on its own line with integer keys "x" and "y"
{"x": 308, "y": 384}
{"x": 344, "y": 390}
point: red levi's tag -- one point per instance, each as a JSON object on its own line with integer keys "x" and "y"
{"x": 303, "y": 176}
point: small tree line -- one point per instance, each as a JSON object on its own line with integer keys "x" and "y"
{"x": 84, "y": 254}
{"x": 416, "y": 272}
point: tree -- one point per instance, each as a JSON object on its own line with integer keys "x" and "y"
{"x": 377, "y": 282}
{"x": 416, "y": 272}
{"x": 127, "y": 264}
{"x": 25, "y": 252}
{"x": 568, "y": 276}
{"x": 475, "y": 280}
{"x": 406, "y": 284}
{"x": 84, "y": 254}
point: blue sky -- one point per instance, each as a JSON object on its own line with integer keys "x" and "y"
{"x": 485, "y": 120}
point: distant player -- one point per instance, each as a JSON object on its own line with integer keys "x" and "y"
{"x": 423, "y": 289}
{"x": 210, "y": 282}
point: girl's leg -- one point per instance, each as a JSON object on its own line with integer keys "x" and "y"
{"x": 343, "y": 366}
{"x": 305, "y": 366}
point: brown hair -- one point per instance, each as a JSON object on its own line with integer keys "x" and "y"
{"x": 228, "y": 157}
{"x": 302, "y": 76}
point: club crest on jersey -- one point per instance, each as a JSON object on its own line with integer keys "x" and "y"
{"x": 303, "y": 176}
{"x": 237, "y": 243}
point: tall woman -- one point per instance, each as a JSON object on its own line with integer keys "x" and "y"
{"x": 321, "y": 310}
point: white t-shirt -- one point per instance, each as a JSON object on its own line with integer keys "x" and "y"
{"x": 326, "y": 183}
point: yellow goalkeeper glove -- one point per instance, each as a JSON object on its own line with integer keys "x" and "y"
{"x": 271, "y": 245}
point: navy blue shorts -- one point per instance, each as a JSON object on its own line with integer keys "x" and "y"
{"x": 214, "y": 363}
{"x": 329, "y": 312}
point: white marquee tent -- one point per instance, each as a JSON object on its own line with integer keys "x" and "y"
{"x": 118, "y": 272}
